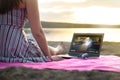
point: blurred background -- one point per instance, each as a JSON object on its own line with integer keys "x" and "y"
{"x": 62, "y": 18}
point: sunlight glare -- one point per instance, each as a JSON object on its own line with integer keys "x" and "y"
{"x": 96, "y": 15}
{"x": 71, "y": 1}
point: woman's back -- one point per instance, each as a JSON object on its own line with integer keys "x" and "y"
{"x": 12, "y": 38}
{"x": 14, "y": 45}
{"x": 16, "y": 17}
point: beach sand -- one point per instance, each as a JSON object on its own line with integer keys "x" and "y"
{"x": 21, "y": 73}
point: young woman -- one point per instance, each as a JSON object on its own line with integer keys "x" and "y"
{"x": 14, "y": 45}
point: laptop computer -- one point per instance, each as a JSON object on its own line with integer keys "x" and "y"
{"x": 85, "y": 45}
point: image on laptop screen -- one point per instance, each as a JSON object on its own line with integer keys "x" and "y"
{"x": 86, "y": 43}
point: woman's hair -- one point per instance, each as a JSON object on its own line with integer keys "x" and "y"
{"x": 7, "y": 5}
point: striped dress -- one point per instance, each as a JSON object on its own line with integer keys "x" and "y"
{"x": 14, "y": 45}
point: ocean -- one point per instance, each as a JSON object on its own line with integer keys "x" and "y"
{"x": 65, "y": 34}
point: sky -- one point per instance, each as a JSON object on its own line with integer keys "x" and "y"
{"x": 80, "y": 11}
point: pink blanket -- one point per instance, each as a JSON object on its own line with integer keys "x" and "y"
{"x": 106, "y": 63}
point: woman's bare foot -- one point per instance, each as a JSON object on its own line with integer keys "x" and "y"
{"x": 57, "y": 50}
{"x": 60, "y": 48}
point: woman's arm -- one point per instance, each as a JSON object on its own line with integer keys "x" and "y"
{"x": 35, "y": 25}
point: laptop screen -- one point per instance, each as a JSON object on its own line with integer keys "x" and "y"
{"x": 86, "y": 43}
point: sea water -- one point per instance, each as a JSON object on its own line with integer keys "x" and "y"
{"x": 65, "y": 34}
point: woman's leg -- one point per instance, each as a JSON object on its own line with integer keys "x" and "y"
{"x": 57, "y": 50}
